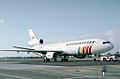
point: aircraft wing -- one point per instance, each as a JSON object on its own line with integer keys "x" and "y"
{"x": 37, "y": 51}
{"x": 28, "y": 50}
{"x": 20, "y": 47}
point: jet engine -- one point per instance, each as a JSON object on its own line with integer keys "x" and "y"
{"x": 35, "y": 42}
{"x": 80, "y": 56}
{"x": 51, "y": 55}
{"x": 41, "y": 41}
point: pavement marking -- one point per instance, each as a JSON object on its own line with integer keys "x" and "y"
{"x": 67, "y": 78}
{"x": 90, "y": 77}
{"x": 14, "y": 76}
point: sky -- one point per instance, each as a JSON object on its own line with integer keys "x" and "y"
{"x": 57, "y": 21}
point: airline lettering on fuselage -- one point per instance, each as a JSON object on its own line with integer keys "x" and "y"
{"x": 85, "y": 50}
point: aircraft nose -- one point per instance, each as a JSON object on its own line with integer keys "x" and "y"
{"x": 111, "y": 46}
{"x": 108, "y": 46}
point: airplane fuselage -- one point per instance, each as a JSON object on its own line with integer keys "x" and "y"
{"x": 76, "y": 48}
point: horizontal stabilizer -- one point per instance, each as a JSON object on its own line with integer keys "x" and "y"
{"x": 19, "y": 47}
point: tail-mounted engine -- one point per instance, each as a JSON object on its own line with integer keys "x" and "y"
{"x": 41, "y": 41}
{"x": 35, "y": 42}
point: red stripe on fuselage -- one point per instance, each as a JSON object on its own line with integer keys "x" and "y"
{"x": 90, "y": 50}
{"x": 85, "y": 50}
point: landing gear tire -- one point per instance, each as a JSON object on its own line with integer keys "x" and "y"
{"x": 55, "y": 59}
{"x": 46, "y": 60}
{"x": 64, "y": 60}
{"x": 94, "y": 59}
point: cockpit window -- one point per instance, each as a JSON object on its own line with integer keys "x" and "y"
{"x": 106, "y": 42}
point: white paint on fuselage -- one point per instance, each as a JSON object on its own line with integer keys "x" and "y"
{"x": 71, "y": 48}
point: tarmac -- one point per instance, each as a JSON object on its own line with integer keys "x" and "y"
{"x": 36, "y": 69}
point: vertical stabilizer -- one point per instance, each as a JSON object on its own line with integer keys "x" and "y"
{"x": 32, "y": 35}
{"x": 33, "y": 42}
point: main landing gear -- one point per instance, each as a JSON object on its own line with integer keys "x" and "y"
{"x": 64, "y": 59}
{"x": 48, "y": 60}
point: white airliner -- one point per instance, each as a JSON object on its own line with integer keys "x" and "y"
{"x": 78, "y": 49}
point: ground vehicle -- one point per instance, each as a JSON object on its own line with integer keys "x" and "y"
{"x": 108, "y": 58}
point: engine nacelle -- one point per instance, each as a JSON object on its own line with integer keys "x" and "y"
{"x": 41, "y": 41}
{"x": 51, "y": 55}
{"x": 35, "y": 42}
{"x": 80, "y": 56}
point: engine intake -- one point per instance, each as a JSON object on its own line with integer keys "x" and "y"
{"x": 41, "y": 41}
